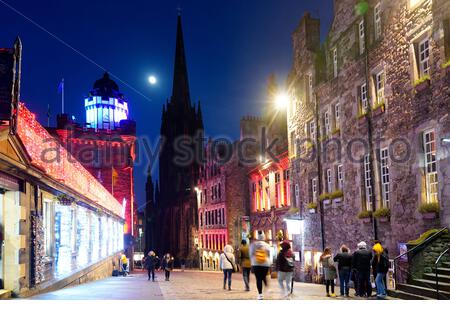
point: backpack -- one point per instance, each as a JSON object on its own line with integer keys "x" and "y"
{"x": 260, "y": 255}
{"x": 290, "y": 262}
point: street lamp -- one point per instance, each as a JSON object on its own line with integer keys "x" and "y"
{"x": 281, "y": 100}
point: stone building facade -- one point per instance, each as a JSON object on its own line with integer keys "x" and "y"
{"x": 367, "y": 125}
{"x": 222, "y": 197}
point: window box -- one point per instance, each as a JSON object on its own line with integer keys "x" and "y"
{"x": 325, "y": 198}
{"x": 422, "y": 84}
{"x": 365, "y": 216}
{"x": 430, "y": 211}
{"x": 382, "y": 214}
{"x": 362, "y": 118}
{"x": 312, "y": 207}
{"x": 337, "y": 196}
{"x": 336, "y": 132}
{"x": 379, "y": 108}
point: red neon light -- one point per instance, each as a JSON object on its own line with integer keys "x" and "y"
{"x": 42, "y": 147}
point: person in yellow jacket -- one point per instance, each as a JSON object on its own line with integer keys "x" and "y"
{"x": 246, "y": 265}
{"x": 124, "y": 263}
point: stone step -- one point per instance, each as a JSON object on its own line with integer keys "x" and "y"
{"x": 423, "y": 291}
{"x": 445, "y": 271}
{"x": 446, "y": 264}
{"x": 431, "y": 284}
{"x": 406, "y": 295}
{"x": 432, "y": 276}
{"x": 5, "y": 294}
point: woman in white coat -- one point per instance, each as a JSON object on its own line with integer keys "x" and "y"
{"x": 228, "y": 265}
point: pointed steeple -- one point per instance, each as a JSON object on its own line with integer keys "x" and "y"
{"x": 180, "y": 89}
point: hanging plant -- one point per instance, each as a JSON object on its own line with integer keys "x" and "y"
{"x": 64, "y": 200}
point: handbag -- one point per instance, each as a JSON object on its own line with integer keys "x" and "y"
{"x": 235, "y": 268}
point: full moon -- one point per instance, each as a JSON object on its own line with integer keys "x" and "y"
{"x": 152, "y": 80}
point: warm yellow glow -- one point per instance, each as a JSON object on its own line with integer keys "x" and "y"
{"x": 414, "y": 3}
{"x": 281, "y": 100}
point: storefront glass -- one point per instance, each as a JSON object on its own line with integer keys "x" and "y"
{"x": 63, "y": 239}
{"x": 95, "y": 236}
{"x": 103, "y": 237}
{"x": 2, "y": 241}
{"x": 82, "y": 237}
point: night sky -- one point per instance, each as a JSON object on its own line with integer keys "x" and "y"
{"x": 231, "y": 47}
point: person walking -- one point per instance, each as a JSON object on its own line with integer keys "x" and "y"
{"x": 260, "y": 261}
{"x": 244, "y": 252}
{"x": 228, "y": 265}
{"x": 285, "y": 266}
{"x": 344, "y": 260}
{"x": 380, "y": 263}
{"x": 150, "y": 263}
{"x": 361, "y": 261}
{"x": 329, "y": 271}
{"x": 167, "y": 265}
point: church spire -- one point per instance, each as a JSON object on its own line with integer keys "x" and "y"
{"x": 180, "y": 89}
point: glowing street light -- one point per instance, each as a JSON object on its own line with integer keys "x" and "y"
{"x": 281, "y": 100}
{"x": 152, "y": 80}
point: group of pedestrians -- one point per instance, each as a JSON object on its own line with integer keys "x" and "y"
{"x": 356, "y": 267}
{"x": 152, "y": 263}
{"x": 255, "y": 258}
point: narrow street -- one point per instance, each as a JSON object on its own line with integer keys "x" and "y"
{"x": 188, "y": 285}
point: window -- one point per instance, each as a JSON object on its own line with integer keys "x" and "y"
{"x": 201, "y": 219}
{"x": 277, "y": 189}
{"x": 329, "y": 181}
{"x": 367, "y": 183}
{"x": 377, "y": 21}
{"x": 340, "y": 177}
{"x": 205, "y": 192}
{"x": 335, "y": 63}
{"x": 424, "y": 57}
{"x": 220, "y": 191}
{"x": 286, "y": 187}
{"x": 337, "y": 116}
{"x": 379, "y": 86}
{"x": 326, "y": 122}
{"x": 297, "y": 194}
{"x": 362, "y": 41}
{"x": 48, "y": 230}
{"x": 314, "y": 189}
{"x": 384, "y": 171}
{"x": 363, "y": 98}
{"x": 431, "y": 177}
{"x": 260, "y": 190}
{"x": 312, "y": 131}
{"x": 293, "y": 151}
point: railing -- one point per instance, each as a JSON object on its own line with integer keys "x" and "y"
{"x": 414, "y": 249}
{"x": 436, "y": 270}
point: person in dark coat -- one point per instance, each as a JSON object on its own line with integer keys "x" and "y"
{"x": 151, "y": 263}
{"x": 361, "y": 261}
{"x": 344, "y": 260}
{"x": 285, "y": 265}
{"x": 167, "y": 265}
{"x": 380, "y": 263}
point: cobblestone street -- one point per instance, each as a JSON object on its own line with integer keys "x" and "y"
{"x": 188, "y": 285}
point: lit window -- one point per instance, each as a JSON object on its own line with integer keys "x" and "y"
{"x": 286, "y": 187}
{"x": 362, "y": 41}
{"x": 424, "y": 57}
{"x": 337, "y": 116}
{"x": 379, "y": 83}
{"x": 335, "y": 63}
{"x": 377, "y": 21}
{"x": 255, "y": 200}
{"x": 277, "y": 189}
{"x": 431, "y": 176}
{"x": 384, "y": 171}
{"x": 363, "y": 98}
{"x": 368, "y": 183}
{"x": 340, "y": 177}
